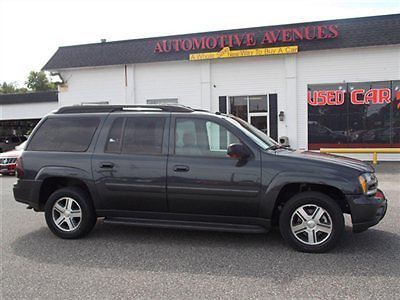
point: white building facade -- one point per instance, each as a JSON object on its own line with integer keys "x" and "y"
{"x": 294, "y": 80}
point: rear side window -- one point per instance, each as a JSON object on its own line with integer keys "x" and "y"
{"x": 65, "y": 134}
{"x": 136, "y": 135}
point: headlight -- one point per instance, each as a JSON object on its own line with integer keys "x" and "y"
{"x": 368, "y": 183}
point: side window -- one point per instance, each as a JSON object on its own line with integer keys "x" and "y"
{"x": 114, "y": 139}
{"x": 65, "y": 134}
{"x": 196, "y": 137}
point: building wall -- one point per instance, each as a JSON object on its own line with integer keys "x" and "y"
{"x": 26, "y": 111}
{"x": 200, "y": 83}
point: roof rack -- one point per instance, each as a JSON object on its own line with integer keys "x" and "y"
{"x": 114, "y": 108}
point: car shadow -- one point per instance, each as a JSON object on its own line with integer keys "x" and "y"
{"x": 372, "y": 253}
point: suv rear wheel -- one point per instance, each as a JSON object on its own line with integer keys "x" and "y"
{"x": 311, "y": 222}
{"x": 69, "y": 213}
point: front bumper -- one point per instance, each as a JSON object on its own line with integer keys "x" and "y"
{"x": 366, "y": 211}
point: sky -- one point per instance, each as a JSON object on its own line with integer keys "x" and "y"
{"x": 32, "y": 30}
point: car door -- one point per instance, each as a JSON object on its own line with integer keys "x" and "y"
{"x": 129, "y": 163}
{"x": 202, "y": 179}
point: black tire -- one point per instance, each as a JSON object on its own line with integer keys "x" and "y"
{"x": 332, "y": 218}
{"x": 84, "y": 224}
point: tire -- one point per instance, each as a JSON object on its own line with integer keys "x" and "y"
{"x": 311, "y": 222}
{"x": 64, "y": 206}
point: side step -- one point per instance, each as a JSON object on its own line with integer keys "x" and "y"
{"x": 224, "y": 227}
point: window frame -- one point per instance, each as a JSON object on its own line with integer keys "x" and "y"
{"x": 172, "y": 140}
{"x": 39, "y": 126}
{"x": 125, "y": 117}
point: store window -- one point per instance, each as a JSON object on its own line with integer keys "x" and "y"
{"x": 361, "y": 114}
{"x": 162, "y": 101}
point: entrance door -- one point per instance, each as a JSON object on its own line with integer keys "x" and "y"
{"x": 252, "y": 109}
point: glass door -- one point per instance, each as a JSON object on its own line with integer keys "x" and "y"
{"x": 252, "y": 109}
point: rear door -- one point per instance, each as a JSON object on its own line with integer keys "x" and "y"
{"x": 129, "y": 164}
{"x": 202, "y": 179}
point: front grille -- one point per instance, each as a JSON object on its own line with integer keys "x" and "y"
{"x": 6, "y": 161}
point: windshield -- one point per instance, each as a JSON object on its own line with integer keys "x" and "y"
{"x": 259, "y": 137}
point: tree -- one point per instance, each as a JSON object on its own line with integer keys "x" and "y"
{"x": 11, "y": 88}
{"x": 38, "y": 81}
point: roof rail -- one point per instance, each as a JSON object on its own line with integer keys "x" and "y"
{"x": 114, "y": 108}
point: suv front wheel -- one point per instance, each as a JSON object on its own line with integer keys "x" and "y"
{"x": 69, "y": 213}
{"x": 311, "y": 222}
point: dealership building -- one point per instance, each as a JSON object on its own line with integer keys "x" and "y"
{"x": 331, "y": 83}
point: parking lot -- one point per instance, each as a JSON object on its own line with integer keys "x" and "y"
{"x": 120, "y": 262}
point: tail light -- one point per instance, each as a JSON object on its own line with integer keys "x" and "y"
{"x": 19, "y": 168}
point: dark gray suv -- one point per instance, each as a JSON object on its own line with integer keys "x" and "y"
{"x": 173, "y": 166}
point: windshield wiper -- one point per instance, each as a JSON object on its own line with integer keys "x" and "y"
{"x": 276, "y": 147}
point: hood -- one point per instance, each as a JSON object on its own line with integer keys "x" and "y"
{"x": 354, "y": 164}
{"x": 13, "y": 153}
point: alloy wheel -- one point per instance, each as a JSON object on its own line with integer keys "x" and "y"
{"x": 311, "y": 224}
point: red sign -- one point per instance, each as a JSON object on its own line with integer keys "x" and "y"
{"x": 357, "y": 97}
{"x": 237, "y": 40}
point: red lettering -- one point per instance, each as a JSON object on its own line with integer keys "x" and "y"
{"x": 186, "y": 44}
{"x": 198, "y": 44}
{"x": 334, "y": 30}
{"x": 371, "y": 96}
{"x": 157, "y": 48}
{"x": 211, "y": 42}
{"x": 308, "y": 34}
{"x": 354, "y": 94}
{"x": 250, "y": 39}
{"x": 286, "y": 35}
{"x": 321, "y": 33}
{"x": 165, "y": 46}
{"x": 385, "y": 95}
{"x": 270, "y": 37}
{"x": 297, "y": 33}
{"x": 176, "y": 44}
{"x": 238, "y": 39}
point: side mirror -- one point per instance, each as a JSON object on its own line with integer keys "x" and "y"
{"x": 238, "y": 151}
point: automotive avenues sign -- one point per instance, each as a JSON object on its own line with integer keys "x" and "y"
{"x": 248, "y": 39}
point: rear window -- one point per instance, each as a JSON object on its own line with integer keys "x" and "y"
{"x": 64, "y": 134}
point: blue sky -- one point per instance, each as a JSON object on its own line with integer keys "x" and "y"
{"x": 32, "y": 30}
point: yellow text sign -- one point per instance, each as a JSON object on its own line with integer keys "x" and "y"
{"x": 227, "y": 53}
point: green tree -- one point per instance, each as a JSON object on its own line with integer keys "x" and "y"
{"x": 11, "y": 88}
{"x": 38, "y": 81}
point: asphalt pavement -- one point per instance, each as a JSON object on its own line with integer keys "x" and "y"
{"x": 116, "y": 261}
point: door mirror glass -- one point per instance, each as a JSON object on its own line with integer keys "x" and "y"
{"x": 238, "y": 151}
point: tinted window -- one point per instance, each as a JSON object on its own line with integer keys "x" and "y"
{"x": 143, "y": 135}
{"x": 114, "y": 139}
{"x": 64, "y": 134}
{"x": 196, "y": 137}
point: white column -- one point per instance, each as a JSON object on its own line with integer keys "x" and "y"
{"x": 291, "y": 99}
{"x": 130, "y": 87}
{"x": 206, "y": 101}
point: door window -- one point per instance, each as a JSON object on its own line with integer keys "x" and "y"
{"x": 139, "y": 135}
{"x": 197, "y": 137}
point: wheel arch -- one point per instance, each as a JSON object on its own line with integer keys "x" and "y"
{"x": 51, "y": 184}
{"x": 284, "y": 186}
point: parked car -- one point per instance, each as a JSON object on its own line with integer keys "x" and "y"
{"x": 9, "y": 142}
{"x": 173, "y": 166}
{"x": 8, "y": 160}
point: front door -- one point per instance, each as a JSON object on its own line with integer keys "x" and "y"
{"x": 252, "y": 109}
{"x": 202, "y": 179}
{"x": 129, "y": 164}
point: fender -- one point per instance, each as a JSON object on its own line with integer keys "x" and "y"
{"x": 65, "y": 172}
{"x": 270, "y": 196}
